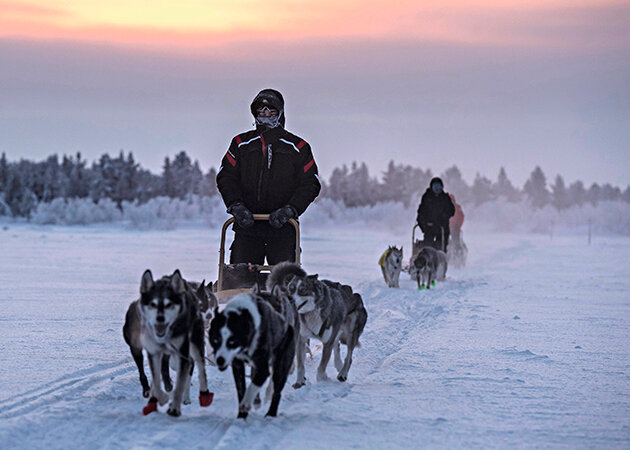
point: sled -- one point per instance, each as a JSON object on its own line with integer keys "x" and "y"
{"x": 223, "y": 295}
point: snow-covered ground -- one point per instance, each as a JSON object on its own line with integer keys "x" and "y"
{"x": 528, "y": 346}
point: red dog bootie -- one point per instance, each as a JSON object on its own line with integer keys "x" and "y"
{"x": 151, "y": 406}
{"x": 205, "y": 398}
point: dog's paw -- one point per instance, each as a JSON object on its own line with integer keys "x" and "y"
{"x": 257, "y": 402}
{"x": 186, "y": 401}
{"x": 241, "y": 415}
{"x": 168, "y": 385}
{"x": 321, "y": 376}
{"x": 342, "y": 378}
{"x": 205, "y": 398}
{"x": 162, "y": 398}
{"x": 146, "y": 392}
{"x": 244, "y": 408}
{"x": 174, "y": 412}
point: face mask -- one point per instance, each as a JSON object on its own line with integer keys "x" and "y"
{"x": 269, "y": 122}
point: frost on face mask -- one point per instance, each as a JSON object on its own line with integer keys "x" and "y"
{"x": 269, "y": 122}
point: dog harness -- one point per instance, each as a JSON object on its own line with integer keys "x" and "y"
{"x": 381, "y": 261}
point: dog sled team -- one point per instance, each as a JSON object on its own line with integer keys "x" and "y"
{"x": 440, "y": 218}
{"x": 267, "y": 179}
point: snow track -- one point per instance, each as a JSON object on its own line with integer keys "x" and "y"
{"x": 526, "y": 347}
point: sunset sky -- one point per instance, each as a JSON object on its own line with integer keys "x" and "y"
{"x": 480, "y": 84}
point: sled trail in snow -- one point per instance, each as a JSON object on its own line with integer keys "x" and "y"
{"x": 526, "y": 346}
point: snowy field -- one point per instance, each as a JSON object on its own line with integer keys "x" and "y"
{"x": 528, "y": 346}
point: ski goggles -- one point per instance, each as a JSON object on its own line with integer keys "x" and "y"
{"x": 267, "y": 111}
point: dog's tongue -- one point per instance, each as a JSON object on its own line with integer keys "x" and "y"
{"x": 160, "y": 329}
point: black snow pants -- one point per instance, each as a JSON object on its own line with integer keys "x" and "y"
{"x": 251, "y": 248}
{"x": 433, "y": 236}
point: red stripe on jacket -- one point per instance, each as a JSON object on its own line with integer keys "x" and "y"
{"x": 238, "y": 140}
{"x": 301, "y": 144}
{"x": 308, "y": 166}
{"x": 230, "y": 159}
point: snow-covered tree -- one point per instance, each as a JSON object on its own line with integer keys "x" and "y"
{"x": 559, "y": 194}
{"x": 536, "y": 188}
{"x": 594, "y": 194}
{"x": 504, "y": 187}
{"x": 577, "y": 193}
{"x": 481, "y": 190}
{"x": 4, "y": 172}
{"x": 455, "y": 184}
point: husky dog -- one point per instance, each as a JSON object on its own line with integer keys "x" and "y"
{"x": 172, "y": 325}
{"x": 328, "y": 312}
{"x": 242, "y": 275}
{"x": 131, "y": 333}
{"x": 206, "y": 302}
{"x": 391, "y": 265}
{"x": 457, "y": 251}
{"x": 428, "y": 265}
{"x": 260, "y": 329}
{"x": 351, "y": 329}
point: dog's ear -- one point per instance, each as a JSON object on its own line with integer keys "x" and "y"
{"x": 201, "y": 290}
{"x": 146, "y": 283}
{"x": 202, "y": 296}
{"x": 313, "y": 277}
{"x": 277, "y": 291}
{"x": 177, "y": 282}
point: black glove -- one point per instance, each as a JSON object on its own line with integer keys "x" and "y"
{"x": 282, "y": 215}
{"x": 243, "y": 216}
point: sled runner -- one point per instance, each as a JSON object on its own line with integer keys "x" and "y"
{"x": 224, "y": 293}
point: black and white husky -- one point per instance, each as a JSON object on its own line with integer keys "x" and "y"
{"x": 391, "y": 265}
{"x": 329, "y": 312}
{"x": 171, "y": 324}
{"x": 428, "y": 265}
{"x": 261, "y": 330}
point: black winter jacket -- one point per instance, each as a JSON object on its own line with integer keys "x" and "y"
{"x": 435, "y": 209}
{"x": 266, "y": 170}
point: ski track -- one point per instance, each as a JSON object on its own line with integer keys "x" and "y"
{"x": 474, "y": 362}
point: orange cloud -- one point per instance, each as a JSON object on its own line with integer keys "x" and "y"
{"x": 196, "y": 23}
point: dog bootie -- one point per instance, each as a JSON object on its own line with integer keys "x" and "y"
{"x": 205, "y": 398}
{"x": 420, "y": 288}
{"x": 433, "y": 283}
{"x": 151, "y": 407}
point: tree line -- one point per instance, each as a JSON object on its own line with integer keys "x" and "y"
{"x": 403, "y": 183}
{"x": 24, "y": 184}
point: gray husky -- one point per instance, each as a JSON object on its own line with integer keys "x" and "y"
{"x": 428, "y": 265}
{"x": 171, "y": 324}
{"x": 206, "y": 302}
{"x": 391, "y": 265}
{"x": 259, "y": 329}
{"x": 329, "y": 312}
